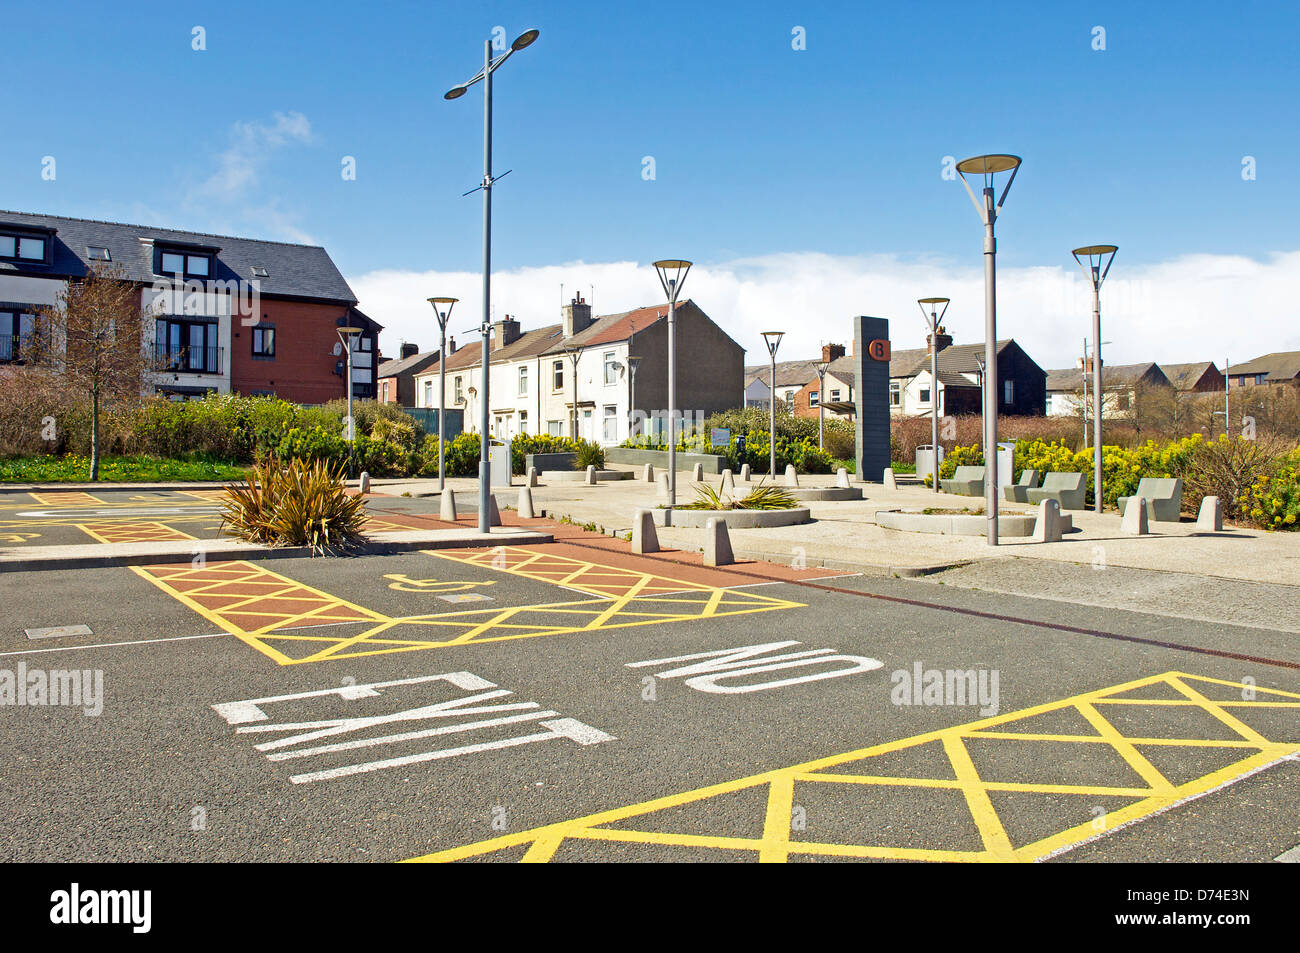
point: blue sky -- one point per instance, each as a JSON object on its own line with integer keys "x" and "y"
{"x": 759, "y": 149}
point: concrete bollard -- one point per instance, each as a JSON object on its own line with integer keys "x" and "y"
{"x": 525, "y": 506}
{"x": 494, "y": 514}
{"x": 364, "y": 482}
{"x": 791, "y": 475}
{"x": 1135, "y": 517}
{"x": 744, "y": 472}
{"x": 890, "y": 482}
{"x": 532, "y": 477}
{"x": 591, "y": 476}
{"x": 842, "y": 478}
{"x": 1047, "y": 528}
{"x": 663, "y": 487}
{"x": 648, "y": 473}
{"x": 644, "y": 537}
{"x": 1210, "y": 517}
{"x": 717, "y": 543}
{"x": 697, "y": 472}
{"x": 447, "y": 505}
{"x": 728, "y": 483}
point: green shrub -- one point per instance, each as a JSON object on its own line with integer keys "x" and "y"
{"x": 292, "y": 503}
{"x": 1272, "y": 500}
{"x": 589, "y": 454}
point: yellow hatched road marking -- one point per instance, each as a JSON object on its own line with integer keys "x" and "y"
{"x": 66, "y": 498}
{"x": 258, "y": 605}
{"x": 1158, "y": 795}
{"x": 145, "y": 531}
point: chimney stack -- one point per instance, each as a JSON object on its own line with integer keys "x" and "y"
{"x": 451, "y": 346}
{"x": 575, "y": 316}
{"x": 407, "y": 350}
{"x": 941, "y": 340}
{"x": 831, "y": 351}
{"x": 504, "y": 332}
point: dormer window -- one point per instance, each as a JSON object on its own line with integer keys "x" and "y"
{"x": 259, "y": 271}
{"x": 22, "y": 248}
{"x": 184, "y": 264}
{"x": 98, "y": 253}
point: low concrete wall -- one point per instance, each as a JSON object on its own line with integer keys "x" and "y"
{"x": 659, "y": 459}
{"x": 577, "y": 476}
{"x": 954, "y": 524}
{"x": 735, "y": 519}
{"x": 549, "y": 461}
{"x": 814, "y": 493}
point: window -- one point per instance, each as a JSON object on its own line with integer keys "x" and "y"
{"x": 259, "y": 271}
{"x": 523, "y": 421}
{"x": 924, "y": 395}
{"x": 184, "y": 265}
{"x": 611, "y": 368}
{"x": 383, "y": 391}
{"x": 1008, "y": 391}
{"x": 523, "y": 380}
{"x": 557, "y": 382}
{"x": 835, "y": 395}
{"x": 263, "y": 342}
{"x": 428, "y": 393}
{"x": 16, "y": 330}
{"x": 1122, "y": 401}
{"x": 459, "y": 397}
{"x": 813, "y": 398}
{"x": 611, "y": 423}
{"x": 98, "y": 253}
{"x": 22, "y": 248}
{"x": 189, "y": 346}
{"x": 895, "y": 393}
{"x": 553, "y": 428}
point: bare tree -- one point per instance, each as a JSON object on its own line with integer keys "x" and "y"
{"x": 93, "y": 338}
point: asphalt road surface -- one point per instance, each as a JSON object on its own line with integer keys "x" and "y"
{"x": 571, "y": 702}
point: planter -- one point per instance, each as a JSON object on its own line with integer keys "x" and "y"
{"x": 815, "y": 493}
{"x": 578, "y": 476}
{"x": 735, "y": 519}
{"x": 955, "y": 524}
{"x": 630, "y": 456}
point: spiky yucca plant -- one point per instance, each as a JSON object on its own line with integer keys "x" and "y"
{"x": 295, "y": 504}
{"x": 767, "y": 498}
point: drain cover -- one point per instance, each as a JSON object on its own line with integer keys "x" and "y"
{"x": 57, "y": 631}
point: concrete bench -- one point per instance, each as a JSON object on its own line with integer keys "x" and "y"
{"x": 967, "y": 481}
{"x": 1019, "y": 492}
{"x": 1068, "y": 489}
{"x": 1164, "y": 496}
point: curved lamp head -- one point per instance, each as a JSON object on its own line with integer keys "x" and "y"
{"x": 773, "y": 341}
{"x": 672, "y": 275}
{"x": 455, "y": 92}
{"x": 525, "y": 39}
{"x": 442, "y": 307}
{"x": 822, "y": 368}
{"x": 1099, "y": 258}
{"x": 988, "y": 168}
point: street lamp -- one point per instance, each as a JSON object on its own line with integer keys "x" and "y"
{"x": 933, "y": 319}
{"x": 442, "y": 310}
{"x": 988, "y": 168}
{"x": 773, "y": 341}
{"x": 346, "y": 335}
{"x": 672, "y": 275}
{"x": 490, "y": 65}
{"x": 1099, "y": 258}
{"x": 821, "y": 399}
{"x": 632, "y": 364}
{"x": 575, "y": 354}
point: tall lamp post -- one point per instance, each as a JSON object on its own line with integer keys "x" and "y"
{"x": 442, "y": 309}
{"x": 932, "y": 319}
{"x": 1099, "y": 258}
{"x": 822, "y": 366}
{"x": 346, "y": 336}
{"x": 988, "y": 168}
{"x": 632, "y": 364}
{"x": 773, "y": 341}
{"x": 490, "y": 65}
{"x": 575, "y": 354}
{"x": 672, "y": 275}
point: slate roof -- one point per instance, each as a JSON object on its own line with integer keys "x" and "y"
{"x": 402, "y": 365}
{"x": 612, "y": 328}
{"x": 1279, "y": 366}
{"x": 1186, "y": 376}
{"x": 954, "y": 359}
{"x": 1113, "y": 375}
{"x": 788, "y": 373}
{"x": 296, "y": 271}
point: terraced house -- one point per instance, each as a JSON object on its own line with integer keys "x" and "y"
{"x": 577, "y": 376}
{"x": 225, "y": 314}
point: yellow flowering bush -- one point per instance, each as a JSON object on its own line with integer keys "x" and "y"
{"x": 1273, "y": 500}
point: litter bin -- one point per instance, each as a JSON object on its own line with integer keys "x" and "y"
{"x": 925, "y": 460}
{"x": 1006, "y": 464}
{"x": 499, "y": 464}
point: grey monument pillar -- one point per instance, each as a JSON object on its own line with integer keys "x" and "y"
{"x": 871, "y": 365}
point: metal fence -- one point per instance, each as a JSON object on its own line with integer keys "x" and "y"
{"x": 428, "y": 419}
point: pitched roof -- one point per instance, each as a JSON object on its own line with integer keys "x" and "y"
{"x": 788, "y": 373}
{"x": 402, "y": 365}
{"x": 1279, "y": 366}
{"x": 299, "y": 271}
{"x": 612, "y": 328}
{"x": 954, "y": 359}
{"x": 1186, "y": 376}
{"x": 1112, "y": 375}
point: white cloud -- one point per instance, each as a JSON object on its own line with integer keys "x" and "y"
{"x": 252, "y": 144}
{"x": 1194, "y": 307}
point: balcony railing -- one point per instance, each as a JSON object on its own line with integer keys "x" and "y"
{"x": 189, "y": 360}
{"x": 6, "y": 347}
